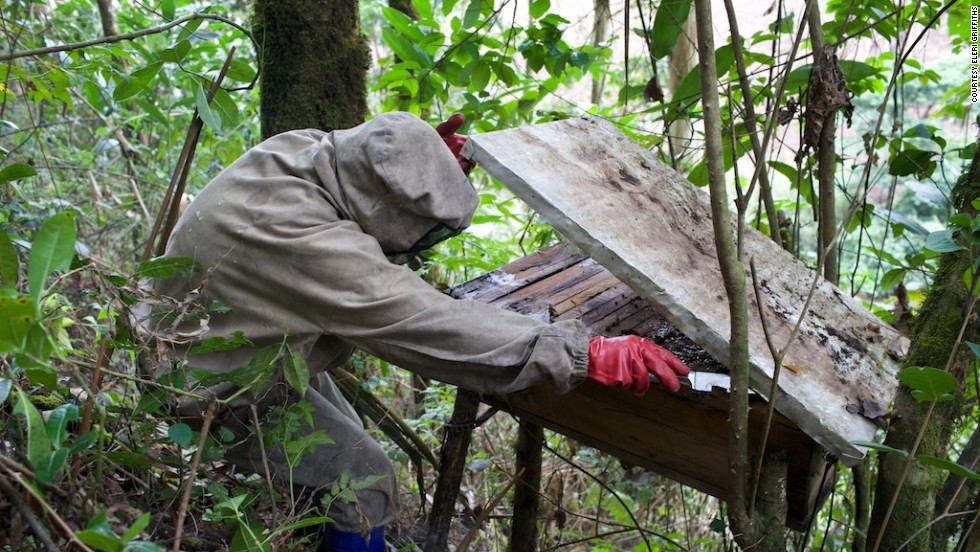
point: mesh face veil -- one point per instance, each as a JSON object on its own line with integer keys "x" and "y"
{"x": 438, "y": 234}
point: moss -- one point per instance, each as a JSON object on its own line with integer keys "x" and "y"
{"x": 314, "y": 63}
{"x": 934, "y": 334}
{"x": 47, "y": 401}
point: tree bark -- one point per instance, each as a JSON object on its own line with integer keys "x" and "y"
{"x": 314, "y": 64}
{"x": 524, "y": 526}
{"x": 958, "y": 495}
{"x": 935, "y": 333}
{"x": 600, "y": 31}
{"x": 452, "y": 460}
{"x": 826, "y": 164}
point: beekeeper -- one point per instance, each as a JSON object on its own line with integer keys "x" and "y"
{"x": 298, "y": 243}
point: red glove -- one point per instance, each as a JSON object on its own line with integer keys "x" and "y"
{"x": 627, "y": 361}
{"x": 455, "y": 141}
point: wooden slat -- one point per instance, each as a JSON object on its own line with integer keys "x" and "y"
{"x": 518, "y": 274}
{"x": 652, "y": 229}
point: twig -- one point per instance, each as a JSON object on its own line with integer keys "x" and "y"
{"x": 25, "y": 512}
{"x": 918, "y": 438}
{"x": 101, "y": 361}
{"x": 157, "y": 384}
{"x": 939, "y": 518}
{"x": 121, "y": 37}
{"x": 777, "y": 358}
{"x": 752, "y": 128}
{"x": 170, "y": 204}
{"x": 967, "y": 532}
{"x": 481, "y": 518}
{"x": 265, "y": 460}
{"x": 193, "y": 135}
{"x": 643, "y": 532}
{"x": 48, "y": 510}
{"x": 348, "y": 384}
{"x": 189, "y": 484}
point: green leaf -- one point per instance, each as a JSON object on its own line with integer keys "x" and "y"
{"x": 539, "y": 8}
{"x": 128, "y": 459}
{"x": 168, "y": 8}
{"x": 137, "y": 527}
{"x": 892, "y": 278}
{"x": 180, "y": 433}
{"x": 904, "y": 221}
{"x": 472, "y": 14}
{"x": 134, "y": 83}
{"x": 668, "y": 26}
{"x": 139, "y": 546}
{"x": 855, "y": 71}
{"x": 424, "y": 8}
{"x": 38, "y": 446}
{"x": 9, "y": 264}
{"x": 99, "y": 541}
{"x": 403, "y": 24}
{"x": 17, "y": 315}
{"x": 208, "y": 116}
{"x": 928, "y": 384}
{"x": 151, "y": 402}
{"x": 188, "y": 29}
{"x": 240, "y": 71}
{"x": 50, "y": 464}
{"x": 16, "y": 171}
{"x": 226, "y": 108}
{"x": 52, "y": 249}
{"x": 167, "y": 267}
{"x": 480, "y": 77}
{"x": 912, "y": 161}
{"x": 688, "y": 92}
{"x": 786, "y": 170}
{"x": 448, "y": 5}
{"x": 5, "y": 386}
{"x": 57, "y": 426}
{"x": 973, "y": 347}
{"x": 798, "y": 78}
{"x": 212, "y": 344}
{"x": 296, "y": 372}
{"x": 879, "y": 447}
{"x": 951, "y": 467}
{"x": 83, "y": 442}
{"x": 942, "y": 241}
{"x": 175, "y": 53}
{"x": 258, "y": 374}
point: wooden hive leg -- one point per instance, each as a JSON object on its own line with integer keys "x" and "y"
{"x": 452, "y": 460}
{"x": 524, "y": 524}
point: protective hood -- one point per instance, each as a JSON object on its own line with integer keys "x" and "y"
{"x": 397, "y": 179}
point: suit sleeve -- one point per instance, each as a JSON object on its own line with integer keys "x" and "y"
{"x": 337, "y": 281}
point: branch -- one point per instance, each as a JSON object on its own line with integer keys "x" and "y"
{"x": 189, "y": 484}
{"x": 122, "y": 37}
{"x": 733, "y": 273}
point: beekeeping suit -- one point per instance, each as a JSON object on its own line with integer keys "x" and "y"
{"x": 295, "y": 241}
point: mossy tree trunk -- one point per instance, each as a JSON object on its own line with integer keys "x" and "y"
{"x": 934, "y": 334}
{"x": 314, "y": 64}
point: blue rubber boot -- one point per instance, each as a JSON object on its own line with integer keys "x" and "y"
{"x": 345, "y": 541}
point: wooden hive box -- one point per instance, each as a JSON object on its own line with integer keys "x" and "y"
{"x": 681, "y": 435}
{"x": 644, "y": 263}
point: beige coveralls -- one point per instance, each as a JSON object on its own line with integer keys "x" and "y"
{"x": 293, "y": 237}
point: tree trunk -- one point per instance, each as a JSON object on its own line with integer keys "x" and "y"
{"x": 314, "y": 64}
{"x": 600, "y": 31}
{"x": 826, "y": 163}
{"x": 935, "y": 333}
